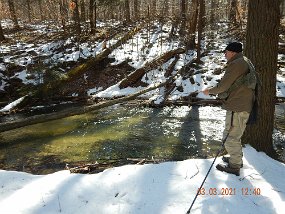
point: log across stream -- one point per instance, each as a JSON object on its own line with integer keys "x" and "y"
{"x": 114, "y": 136}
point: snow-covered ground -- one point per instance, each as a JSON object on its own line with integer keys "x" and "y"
{"x": 165, "y": 188}
{"x": 159, "y": 189}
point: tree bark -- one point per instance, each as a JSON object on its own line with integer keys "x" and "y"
{"x": 82, "y": 11}
{"x": 62, "y": 12}
{"x": 190, "y": 43}
{"x": 233, "y": 13}
{"x": 262, "y": 48}
{"x": 2, "y": 37}
{"x": 183, "y": 17}
{"x": 29, "y": 10}
{"x": 136, "y": 10}
{"x": 201, "y": 24}
{"x": 138, "y": 74}
{"x": 76, "y": 18}
{"x": 91, "y": 16}
{"x": 13, "y": 14}
{"x": 41, "y": 10}
{"x": 127, "y": 11}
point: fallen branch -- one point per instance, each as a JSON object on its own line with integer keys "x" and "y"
{"x": 141, "y": 161}
{"x": 6, "y": 126}
{"x": 138, "y": 74}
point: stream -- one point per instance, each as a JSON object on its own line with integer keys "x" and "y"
{"x": 114, "y": 134}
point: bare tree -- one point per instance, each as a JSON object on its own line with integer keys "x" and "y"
{"x": 190, "y": 43}
{"x": 127, "y": 11}
{"x": 183, "y": 17}
{"x": 136, "y": 9}
{"x": 41, "y": 10}
{"x": 82, "y": 10}
{"x": 63, "y": 13}
{"x": 2, "y": 37}
{"x": 201, "y": 25}
{"x": 13, "y": 14}
{"x": 76, "y": 17}
{"x": 91, "y": 16}
{"x": 29, "y": 10}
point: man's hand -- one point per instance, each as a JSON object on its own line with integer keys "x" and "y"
{"x": 206, "y": 91}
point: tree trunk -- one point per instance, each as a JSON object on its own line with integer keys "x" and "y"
{"x": 76, "y": 18}
{"x": 29, "y": 10}
{"x": 95, "y": 14}
{"x": 201, "y": 24}
{"x": 82, "y": 10}
{"x": 13, "y": 14}
{"x": 233, "y": 13}
{"x": 62, "y": 14}
{"x": 153, "y": 9}
{"x": 138, "y": 74}
{"x": 2, "y": 37}
{"x": 91, "y": 16}
{"x": 190, "y": 43}
{"x": 262, "y": 48}
{"x": 183, "y": 17}
{"x": 213, "y": 17}
{"x": 136, "y": 10}
{"x": 127, "y": 11}
{"x": 41, "y": 10}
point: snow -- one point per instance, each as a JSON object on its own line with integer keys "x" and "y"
{"x": 166, "y": 188}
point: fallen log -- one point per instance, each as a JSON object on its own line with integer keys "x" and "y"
{"x": 138, "y": 74}
{"x": 82, "y": 68}
{"x": 6, "y": 126}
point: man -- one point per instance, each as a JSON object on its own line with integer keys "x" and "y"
{"x": 238, "y": 103}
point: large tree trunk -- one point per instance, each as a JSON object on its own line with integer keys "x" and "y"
{"x": 261, "y": 48}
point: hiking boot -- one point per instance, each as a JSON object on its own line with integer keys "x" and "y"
{"x": 227, "y": 160}
{"x": 226, "y": 168}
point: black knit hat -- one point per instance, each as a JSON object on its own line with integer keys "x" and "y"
{"x": 234, "y": 47}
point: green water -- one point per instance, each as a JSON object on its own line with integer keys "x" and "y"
{"x": 114, "y": 134}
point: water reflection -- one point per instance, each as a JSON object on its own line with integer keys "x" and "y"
{"x": 114, "y": 134}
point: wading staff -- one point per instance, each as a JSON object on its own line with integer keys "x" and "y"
{"x": 222, "y": 146}
{"x": 219, "y": 151}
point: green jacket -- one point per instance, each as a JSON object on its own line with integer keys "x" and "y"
{"x": 240, "y": 99}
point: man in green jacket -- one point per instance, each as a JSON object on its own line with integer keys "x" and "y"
{"x": 238, "y": 103}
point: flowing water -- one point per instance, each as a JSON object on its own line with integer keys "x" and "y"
{"x": 113, "y": 135}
